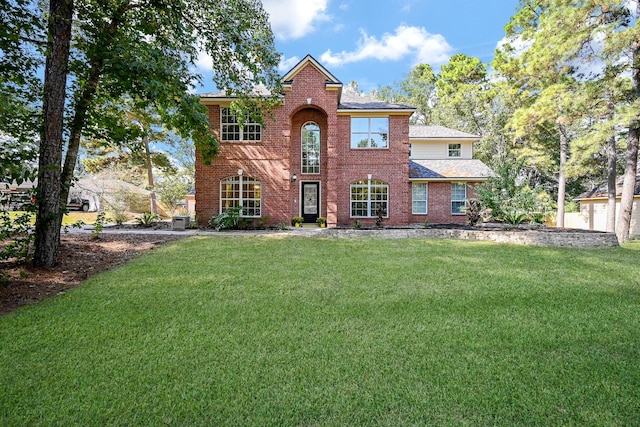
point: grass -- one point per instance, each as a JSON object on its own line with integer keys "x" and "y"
{"x": 307, "y": 331}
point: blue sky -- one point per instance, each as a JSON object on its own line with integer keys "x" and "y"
{"x": 378, "y": 42}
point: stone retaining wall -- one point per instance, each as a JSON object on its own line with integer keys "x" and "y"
{"x": 575, "y": 239}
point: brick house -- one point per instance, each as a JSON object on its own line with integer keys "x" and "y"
{"x": 335, "y": 154}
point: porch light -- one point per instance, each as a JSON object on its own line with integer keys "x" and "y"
{"x": 308, "y": 100}
{"x": 294, "y": 177}
{"x": 240, "y": 172}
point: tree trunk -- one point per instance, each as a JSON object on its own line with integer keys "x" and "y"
{"x": 49, "y": 215}
{"x": 629, "y": 185}
{"x": 611, "y": 185}
{"x": 562, "y": 180}
{"x": 147, "y": 159}
{"x": 631, "y": 155}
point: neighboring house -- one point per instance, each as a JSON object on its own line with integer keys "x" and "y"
{"x": 335, "y": 154}
{"x": 593, "y": 209}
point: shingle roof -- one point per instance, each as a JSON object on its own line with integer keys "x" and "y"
{"x": 428, "y": 132}
{"x": 449, "y": 168}
{"x": 355, "y": 101}
{"x": 259, "y": 90}
{"x": 601, "y": 190}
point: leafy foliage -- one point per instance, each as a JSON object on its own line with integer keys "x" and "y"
{"x": 172, "y": 191}
{"x": 507, "y": 197}
{"x": 147, "y": 219}
{"x": 143, "y": 51}
{"x": 16, "y": 234}
{"x": 228, "y": 220}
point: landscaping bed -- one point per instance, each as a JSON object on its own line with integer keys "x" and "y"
{"x": 79, "y": 257}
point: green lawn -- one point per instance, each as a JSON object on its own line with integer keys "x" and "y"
{"x": 271, "y": 331}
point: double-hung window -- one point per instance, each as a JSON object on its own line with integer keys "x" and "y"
{"x": 241, "y": 191}
{"x": 419, "y": 198}
{"x": 369, "y": 132}
{"x": 455, "y": 150}
{"x": 233, "y": 131}
{"x": 368, "y": 198}
{"x": 458, "y": 198}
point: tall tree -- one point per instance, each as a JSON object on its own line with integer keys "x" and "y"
{"x": 147, "y": 50}
{"x": 417, "y": 90}
{"x": 632, "y": 37}
{"x": 561, "y": 36}
{"x": 466, "y": 99}
{"x": 47, "y": 233}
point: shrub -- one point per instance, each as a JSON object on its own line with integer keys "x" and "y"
{"x": 98, "y": 225}
{"x": 147, "y": 219}
{"x": 229, "y": 219}
{"x": 18, "y": 232}
{"x": 380, "y": 213}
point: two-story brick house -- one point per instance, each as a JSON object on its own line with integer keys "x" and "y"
{"x": 335, "y": 154}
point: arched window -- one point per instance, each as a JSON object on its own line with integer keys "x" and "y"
{"x": 368, "y": 197}
{"x": 241, "y": 191}
{"x": 310, "y": 140}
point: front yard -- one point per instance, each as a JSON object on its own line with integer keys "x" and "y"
{"x": 282, "y": 330}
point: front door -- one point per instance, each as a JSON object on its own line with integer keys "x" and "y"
{"x": 310, "y": 201}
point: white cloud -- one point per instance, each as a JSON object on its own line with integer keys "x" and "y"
{"x": 293, "y": 19}
{"x": 287, "y": 64}
{"x": 407, "y": 41}
{"x": 204, "y": 61}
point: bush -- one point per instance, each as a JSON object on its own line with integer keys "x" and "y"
{"x": 147, "y": 219}
{"x": 229, "y": 219}
{"x": 18, "y": 232}
{"x": 474, "y": 212}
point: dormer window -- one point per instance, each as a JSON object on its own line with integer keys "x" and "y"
{"x": 232, "y": 131}
{"x": 455, "y": 150}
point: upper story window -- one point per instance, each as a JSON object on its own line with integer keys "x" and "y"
{"x": 232, "y": 131}
{"x": 310, "y": 141}
{"x": 455, "y": 150}
{"x": 369, "y": 132}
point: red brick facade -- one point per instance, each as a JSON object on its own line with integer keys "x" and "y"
{"x": 312, "y": 96}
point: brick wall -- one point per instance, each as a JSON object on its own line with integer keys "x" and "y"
{"x": 439, "y": 204}
{"x": 277, "y": 157}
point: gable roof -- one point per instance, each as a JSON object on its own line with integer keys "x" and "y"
{"x": 449, "y": 169}
{"x": 438, "y": 132}
{"x": 348, "y": 100}
{"x": 601, "y": 192}
{"x": 329, "y": 78}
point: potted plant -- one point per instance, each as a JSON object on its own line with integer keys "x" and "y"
{"x": 322, "y": 221}
{"x": 296, "y": 221}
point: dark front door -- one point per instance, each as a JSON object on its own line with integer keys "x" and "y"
{"x": 310, "y": 201}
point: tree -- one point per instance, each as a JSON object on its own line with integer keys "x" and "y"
{"x": 144, "y": 50}
{"x": 417, "y": 90}
{"x": 47, "y": 232}
{"x": 466, "y": 99}
{"x": 631, "y": 165}
{"x": 559, "y": 38}
{"x": 562, "y": 37}
{"x": 172, "y": 190}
